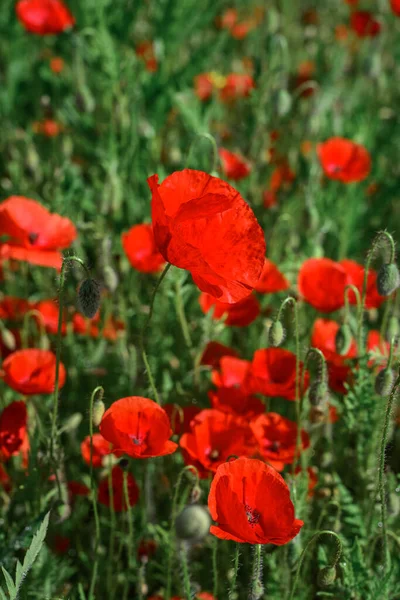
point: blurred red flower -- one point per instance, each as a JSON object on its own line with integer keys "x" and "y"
{"x": 44, "y": 17}
{"x": 355, "y": 273}
{"x": 76, "y": 488}
{"x": 32, "y": 371}
{"x": 239, "y": 314}
{"x": 271, "y": 280}
{"x": 321, "y": 283}
{"x": 181, "y": 417}
{"x": 202, "y": 224}
{"x": 13, "y": 433}
{"x": 145, "y": 50}
{"x": 395, "y": 6}
{"x": 273, "y": 373}
{"x": 5, "y": 480}
{"x": 101, "y": 448}
{"x": 237, "y": 85}
{"x": 251, "y": 503}
{"x": 233, "y": 165}
{"x": 118, "y": 496}
{"x": 233, "y": 373}
{"x": 312, "y": 475}
{"x": 57, "y": 65}
{"x": 49, "y": 128}
{"x": 203, "y": 86}
{"x": 13, "y": 309}
{"x": 213, "y": 437}
{"x": 344, "y": 160}
{"x": 138, "y": 427}
{"x": 140, "y": 248}
{"x": 35, "y": 235}
{"x": 277, "y": 439}
{"x": 364, "y": 24}
{"x": 213, "y": 353}
{"x": 91, "y": 327}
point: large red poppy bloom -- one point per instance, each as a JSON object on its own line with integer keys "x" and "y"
{"x": 202, "y": 224}
{"x": 364, "y": 24}
{"x": 140, "y": 248}
{"x": 138, "y": 427}
{"x": 271, "y": 280}
{"x": 239, "y": 314}
{"x": 321, "y": 283}
{"x": 233, "y": 165}
{"x": 118, "y": 495}
{"x": 277, "y": 439}
{"x": 101, "y": 448}
{"x": 273, "y": 373}
{"x": 44, "y": 17}
{"x": 251, "y": 503}
{"x": 32, "y": 371}
{"x": 35, "y": 235}
{"x": 355, "y": 273}
{"x": 344, "y": 160}
{"x": 13, "y": 432}
{"x": 214, "y": 436}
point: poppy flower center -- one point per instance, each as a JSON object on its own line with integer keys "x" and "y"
{"x": 33, "y": 237}
{"x": 213, "y": 454}
{"x": 273, "y": 446}
{"x": 253, "y": 516}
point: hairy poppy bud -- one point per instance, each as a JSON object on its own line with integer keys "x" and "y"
{"x": 326, "y": 576}
{"x": 89, "y": 297}
{"x": 276, "y": 334}
{"x": 343, "y": 339}
{"x": 193, "y": 523}
{"x": 318, "y": 392}
{"x": 388, "y": 279}
{"x": 98, "y": 412}
{"x": 384, "y": 382}
{"x": 393, "y": 329}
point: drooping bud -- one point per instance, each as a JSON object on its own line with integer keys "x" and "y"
{"x": 388, "y": 279}
{"x": 193, "y": 523}
{"x": 384, "y": 382}
{"x": 110, "y": 278}
{"x": 393, "y": 328}
{"x": 276, "y": 334}
{"x": 343, "y": 339}
{"x": 318, "y": 392}
{"x": 89, "y": 297}
{"x": 98, "y": 412}
{"x": 195, "y": 494}
{"x": 8, "y": 339}
{"x": 326, "y": 576}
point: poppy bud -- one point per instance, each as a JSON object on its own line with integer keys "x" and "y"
{"x": 8, "y": 339}
{"x": 193, "y": 523}
{"x": 276, "y": 334}
{"x": 326, "y": 576}
{"x": 110, "y": 278}
{"x": 318, "y": 392}
{"x": 388, "y": 279}
{"x": 196, "y": 494}
{"x": 392, "y": 329}
{"x": 98, "y": 412}
{"x": 317, "y": 414}
{"x": 384, "y": 382}
{"x": 89, "y": 297}
{"x": 343, "y": 339}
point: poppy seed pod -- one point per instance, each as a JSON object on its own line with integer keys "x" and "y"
{"x": 343, "y": 339}
{"x": 318, "y": 392}
{"x": 193, "y": 523}
{"x": 98, "y": 412}
{"x": 388, "y": 279}
{"x": 276, "y": 334}
{"x": 89, "y": 297}
{"x": 384, "y": 382}
{"x": 326, "y": 576}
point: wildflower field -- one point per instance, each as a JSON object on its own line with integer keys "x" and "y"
{"x": 199, "y": 304}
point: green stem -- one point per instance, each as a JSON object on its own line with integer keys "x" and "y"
{"x": 143, "y": 331}
{"x": 130, "y": 533}
{"x": 323, "y": 371}
{"x": 232, "y": 588}
{"x": 98, "y": 390}
{"x": 111, "y": 589}
{"x": 215, "y": 567}
{"x": 180, "y": 311}
{"x": 256, "y": 577}
{"x": 213, "y": 143}
{"x": 339, "y": 550}
{"x": 185, "y": 573}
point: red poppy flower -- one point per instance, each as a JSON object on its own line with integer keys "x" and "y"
{"x": 355, "y": 273}
{"x": 12, "y": 429}
{"x": 44, "y": 17}
{"x": 271, "y": 280}
{"x": 146, "y": 549}
{"x": 277, "y": 439}
{"x": 35, "y": 234}
{"x": 202, "y": 224}
{"x": 395, "y": 6}
{"x": 281, "y": 175}
{"x": 101, "y": 448}
{"x": 251, "y": 503}
{"x": 233, "y": 373}
{"x": 239, "y": 314}
{"x": 233, "y": 165}
{"x": 91, "y": 327}
{"x": 13, "y": 309}
{"x": 49, "y": 128}
{"x": 344, "y": 160}
{"x": 312, "y": 475}
{"x": 213, "y": 353}
{"x": 145, "y": 50}
{"x": 233, "y": 393}
{"x": 140, "y": 248}
{"x": 5, "y": 479}
{"x": 269, "y": 199}
{"x": 181, "y": 417}
{"x": 378, "y": 347}
{"x": 273, "y": 373}
{"x": 57, "y": 65}
{"x": 138, "y": 427}
{"x": 49, "y": 316}
{"x": 321, "y": 283}
{"x": 32, "y": 371}
{"x": 228, "y": 19}
{"x": 203, "y": 86}
{"x": 237, "y": 85}
{"x": 364, "y": 24}
{"x": 76, "y": 488}
{"x": 323, "y": 337}
{"x": 214, "y": 436}
{"x": 118, "y": 496}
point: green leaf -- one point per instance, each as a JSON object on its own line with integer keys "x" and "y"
{"x": 2, "y": 595}
{"x": 31, "y": 555}
{"x": 9, "y": 582}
